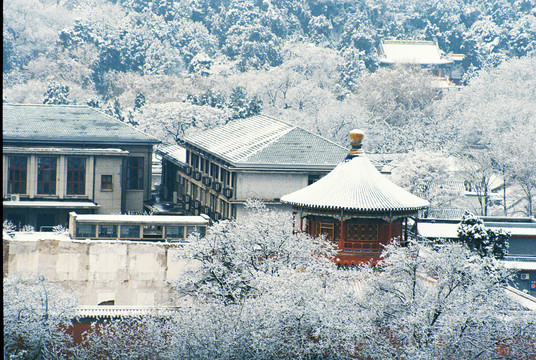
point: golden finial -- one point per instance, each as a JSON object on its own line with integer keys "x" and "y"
{"x": 356, "y": 137}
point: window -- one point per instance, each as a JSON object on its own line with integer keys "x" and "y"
{"x": 46, "y": 175}
{"x": 76, "y": 176}
{"x": 135, "y": 173}
{"x": 85, "y": 230}
{"x": 312, "y": 179}
{"x": 18, "y": 171}
{"x": 152, "y": 231}
{"x": 195, "y": 229}
{"x": 108, "y": 231}
{"x": 106, "y": 182}
{"x": 362, "y": 237}
{"x": 174, "y": 232}
{"x": 130, "y": 231}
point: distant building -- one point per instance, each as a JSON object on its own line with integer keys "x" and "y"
{"x": 426, "y": 54}
{"x": 356, "y": 207}
{"x": 215, "y": 172}
{"x": 59, "y": 158}
{"x": 521, "y": 254}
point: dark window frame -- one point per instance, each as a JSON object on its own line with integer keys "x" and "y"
{"x": 76, "y": 175}
{"x": 47, "y": 167}
{"x": 107, "y": 185}
{"x": 17, "y": 174}
{"x": 135, "y": 173}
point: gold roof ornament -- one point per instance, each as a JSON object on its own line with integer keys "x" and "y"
{"x": 356, "y": 137}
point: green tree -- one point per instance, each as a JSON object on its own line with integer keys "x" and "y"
{"x": 486, "y": 242}
{"x": 57, "y": 94}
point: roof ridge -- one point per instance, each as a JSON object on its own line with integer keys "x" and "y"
{"x": 321, "y": 137}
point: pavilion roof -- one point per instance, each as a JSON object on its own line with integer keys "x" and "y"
{"x": 355, "y": 185}
{"x": 411, "y": 52}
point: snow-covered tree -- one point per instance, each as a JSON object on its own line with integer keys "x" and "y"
{"x": 426, "y": 174}
{"x": 36, "y": 313}
{"x": 486, "y": 242}
{"x": 57, "y": 94}
{"x": 441, "y": 303}
{"x": 235, "y": 256}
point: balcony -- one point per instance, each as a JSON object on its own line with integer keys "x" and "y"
{"x": 197, "y": 175}
{"x": 216, "y": 186}
{"x": 206, "y": 180}
{"x": 228, "y": 192}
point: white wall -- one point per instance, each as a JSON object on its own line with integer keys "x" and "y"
{"x": 109, "y": 200}
{"x": 268, "y": 186}
{"x": 130, "y": 273}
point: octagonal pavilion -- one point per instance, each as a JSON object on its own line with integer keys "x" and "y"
{"x": 356, "y": 207}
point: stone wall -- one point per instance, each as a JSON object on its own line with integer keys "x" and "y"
{"x": 129, "y": 273}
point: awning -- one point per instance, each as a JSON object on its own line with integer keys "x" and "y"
{"x": 51, "y": 204}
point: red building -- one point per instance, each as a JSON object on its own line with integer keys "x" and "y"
{"x": 356, "y": 207}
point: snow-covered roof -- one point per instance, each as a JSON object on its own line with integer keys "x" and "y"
{"x": 411, "y": 52}
{"x": 355, "y": 185}
{"x": 448, "y": 229}
{"x": 173, "y": 153}
{"x": 114, "y": 311}
{"x": 141, "y": 219}
{"x": 64, "y": 151}
{"x": 66, "y": 124}
{"x": 50, "y": 204}
{"x": 261, "y": 140}
{"x": 525, "y": 300}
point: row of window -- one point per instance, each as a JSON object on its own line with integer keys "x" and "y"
{"x": 76, "y": 175}
{"x": 137, "y": 232}
{"x": 210, "y": 168}
{"x": 205, "y": 197}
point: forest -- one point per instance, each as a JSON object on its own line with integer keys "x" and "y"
{"x": 174, "y": 67}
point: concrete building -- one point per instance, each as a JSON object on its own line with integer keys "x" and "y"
{"x": 62, "y": 158}
{"x": 217, "y": 171}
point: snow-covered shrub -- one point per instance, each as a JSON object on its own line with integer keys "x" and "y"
{"x": 59, "y": 229}
{"x": 28, "y": 228}
{"x": 9, "y": 227}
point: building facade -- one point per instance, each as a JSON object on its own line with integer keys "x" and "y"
{"x": 217, "y": 171}
{"x": 58, "y": 159}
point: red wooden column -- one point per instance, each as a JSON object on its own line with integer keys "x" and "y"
{"x": 343, "y": 234}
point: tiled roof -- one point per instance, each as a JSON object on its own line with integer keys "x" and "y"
{"x": 173, "y": 153}
{"x": 411, "y": 52}
{"x": 262, "y": 140}
{"x": 355, "y": 185}
{"x": 48, "y": 124}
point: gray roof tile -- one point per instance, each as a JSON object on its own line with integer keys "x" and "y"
{"x": 262, "y": 140}
{"x": 66, "y": 124}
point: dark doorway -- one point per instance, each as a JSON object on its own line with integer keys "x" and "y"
{"x": 45, "y": 222}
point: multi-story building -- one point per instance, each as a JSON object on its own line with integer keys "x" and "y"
{"x": 215, "y": 172}
{"x": 59, "y": 158}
